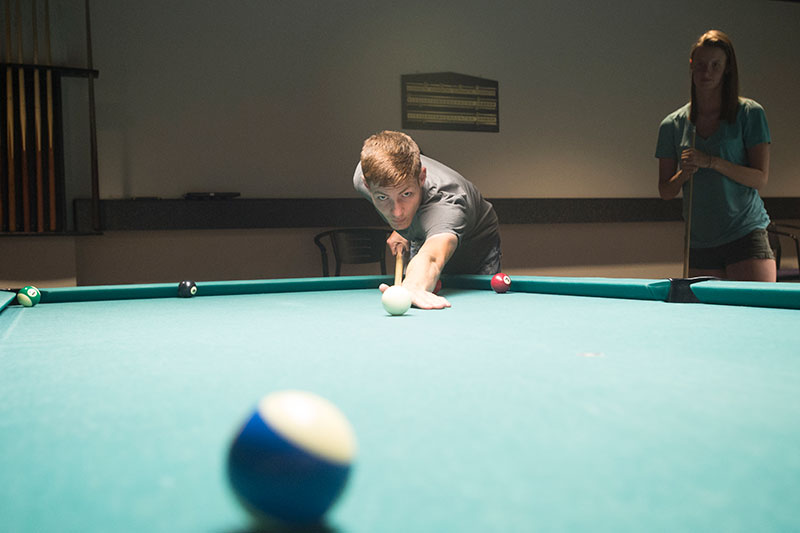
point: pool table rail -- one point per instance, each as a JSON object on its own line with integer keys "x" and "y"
{"x": 707, "y": 291}
{"x": 778, "y": 295}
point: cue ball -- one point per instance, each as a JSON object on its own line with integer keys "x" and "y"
{"x": 187, "y": 289}
{"x": 396, "y": 300}
{"x": 501, "y": 283}
{"x": 291, "y": 459}
{"x": 29, "y": 296}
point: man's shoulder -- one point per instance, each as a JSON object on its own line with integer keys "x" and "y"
{"x": 444, "y": 181}
{"x": 437, "y": 167}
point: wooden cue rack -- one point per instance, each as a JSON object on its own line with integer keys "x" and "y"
{"x": 33, "y": 195}
{"x": 29, "y": 201}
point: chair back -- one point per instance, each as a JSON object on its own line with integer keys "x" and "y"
{"x": 353, "y": 246}
{"x": 775, "y": 232}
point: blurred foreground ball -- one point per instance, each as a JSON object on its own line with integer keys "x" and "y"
{"x": 292, "y": 458}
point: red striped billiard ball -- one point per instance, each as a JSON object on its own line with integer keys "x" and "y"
{"x": 438, "y": 287}
{"x": 501, "y": 283}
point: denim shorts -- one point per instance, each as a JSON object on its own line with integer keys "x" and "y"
{"x": 754, "y": 245}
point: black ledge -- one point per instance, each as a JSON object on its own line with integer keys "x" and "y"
{"x": 250, "y": 213}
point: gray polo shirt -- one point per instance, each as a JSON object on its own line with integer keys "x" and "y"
{"x": 450, "y": 204}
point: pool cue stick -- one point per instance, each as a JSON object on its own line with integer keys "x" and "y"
{"x": 51, "y": 156}
{"x": 37, "y": 107}
{"x": 92, "y": 126}
{"x": 398, "y": 267}
{"x": 23, "y": 125}
{"x": 687, "y": 238}
{"x": 12, "y": 189}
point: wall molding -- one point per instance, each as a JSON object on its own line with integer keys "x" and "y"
{"x": 252, "y": 213}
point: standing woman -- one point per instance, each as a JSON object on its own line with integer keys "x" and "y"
{"x": 720, "y": 142}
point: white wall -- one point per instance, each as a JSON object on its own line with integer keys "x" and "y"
{"x": 273, "y": 99}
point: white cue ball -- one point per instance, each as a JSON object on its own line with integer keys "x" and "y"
{"x": 396, "y": 300}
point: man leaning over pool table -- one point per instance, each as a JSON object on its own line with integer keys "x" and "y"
{"x": 436, "y": 214}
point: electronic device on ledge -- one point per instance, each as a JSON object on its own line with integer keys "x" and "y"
{"x": 210, "y": 195}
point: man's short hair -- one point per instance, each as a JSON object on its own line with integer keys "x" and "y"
{"x": 390, "y": 159}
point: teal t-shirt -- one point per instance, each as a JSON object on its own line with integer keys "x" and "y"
{"x": 722, "y": 209}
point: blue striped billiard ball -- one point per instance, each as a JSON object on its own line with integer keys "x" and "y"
{"x": 291, "y": 459}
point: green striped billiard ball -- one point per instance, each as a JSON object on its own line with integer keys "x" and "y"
{"x": 29, "y": 296}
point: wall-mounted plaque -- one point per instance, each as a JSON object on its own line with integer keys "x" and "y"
{"x": 450, "y": 101}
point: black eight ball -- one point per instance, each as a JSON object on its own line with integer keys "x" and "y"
{"x": 187, "y": 289}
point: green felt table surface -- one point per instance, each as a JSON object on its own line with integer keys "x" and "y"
{"x": 527, "y": 411}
